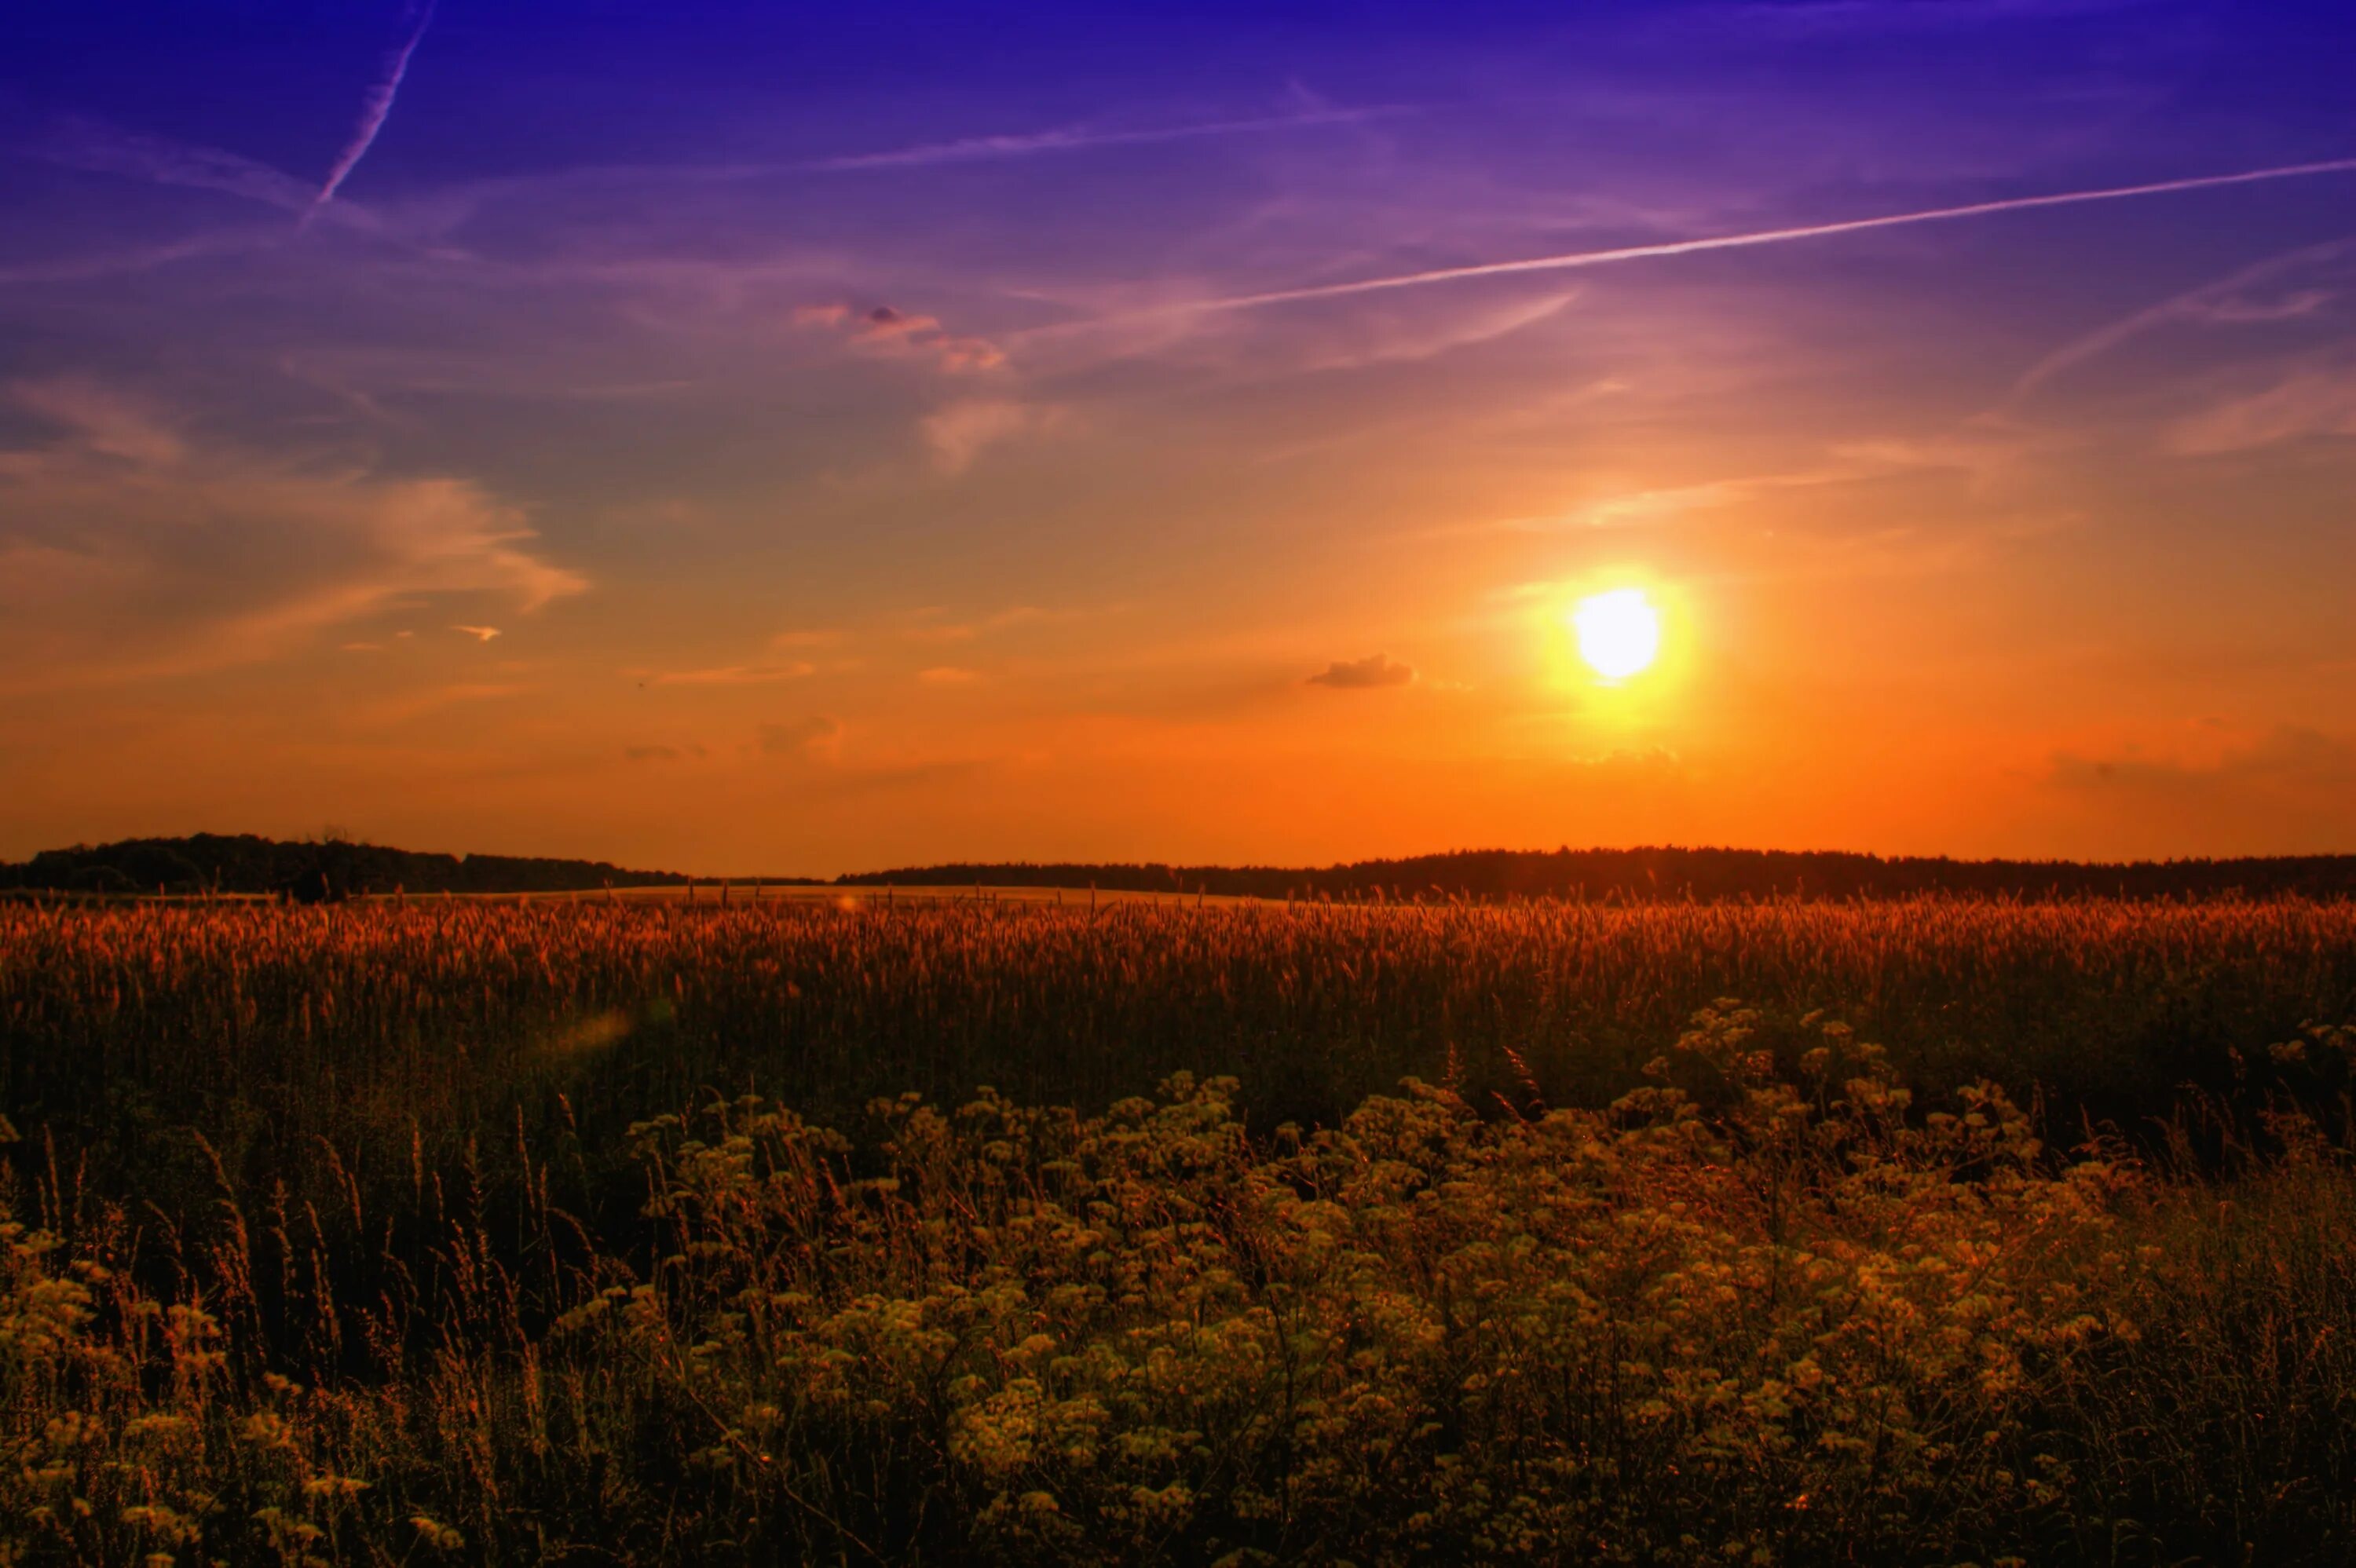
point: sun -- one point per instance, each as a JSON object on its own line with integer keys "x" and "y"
{"x": 1619, "y": 633}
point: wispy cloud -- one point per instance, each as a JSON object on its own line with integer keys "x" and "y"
{"x": 480, "y": 633}
{"x": 731, "y": 675}
{"x": 130, "y": 262}
{"x": 2294, "y": 786}
{"x": 963, "y": 431}
{"x": 1575, "y": 259}
{"x": 375, "y": 109}
{"x": 938, "y": 631}
{"x": 818, "y": 737}
{"x": 2315, "y": 399}
{"x": 1822, "y": 18}
{"x": 1369, "y": 674}
{"x": 1081, "y": 138}
{"x": 2221, "y": 300}
{"x": 94, "y": 147}
{"x": 883, "y": 330}
{"x": 434, "y": 699}
{"x": 133, "y": 549}
{"x": 1978, "y": 452}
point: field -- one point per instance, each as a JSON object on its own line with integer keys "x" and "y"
{"x": 832, "y": 1230}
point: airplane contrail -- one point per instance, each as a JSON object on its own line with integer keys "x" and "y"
{"x": 374, "y": 111}
{"x": 978, "y": 149}
{"x": 1579, "y": 259}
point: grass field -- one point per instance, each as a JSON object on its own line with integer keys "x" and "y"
{"x": 473, "y": 1230}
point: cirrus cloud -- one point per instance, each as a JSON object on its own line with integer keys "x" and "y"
{"x": 1371, "y": 673}
{"x": 728, "y": 675}
{"x": 881, "y": 330}
{"x": 132, "y": 548}
{"x": 818, "y": 737}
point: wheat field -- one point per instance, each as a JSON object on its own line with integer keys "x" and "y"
{"x": 1931, "y": 1230}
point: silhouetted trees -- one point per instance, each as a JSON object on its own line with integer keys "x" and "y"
{"x": 329, "y": 868}
{"x": 1671, "y": 872}
{"x": 320, "y": 871}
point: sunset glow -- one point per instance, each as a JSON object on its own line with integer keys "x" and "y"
{"x": 1619, "y": 633}
{"x": 1116, "y": 786}
{"x": 736, "y": 437}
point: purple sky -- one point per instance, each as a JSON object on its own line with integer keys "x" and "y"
{"x": 734, "y": 438}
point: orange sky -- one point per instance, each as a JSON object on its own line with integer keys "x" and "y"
{"x": 657, "y": 514}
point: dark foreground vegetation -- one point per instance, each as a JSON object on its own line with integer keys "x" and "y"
{"x": 244, "y": 864}
{"x": 337, "y": 866}
{"x": 511, "y": 1233}
{"x": 1626, "y": 875}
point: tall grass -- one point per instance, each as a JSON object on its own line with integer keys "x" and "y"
{"x": 293, "y": 1023}
{"x": 514, "y": 1234}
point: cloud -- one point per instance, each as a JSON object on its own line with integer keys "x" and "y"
{"x": 1807, "y": 18}
{"x": 135, "y": 548}
{"x": 1081, "y": 138}
{"x": 851, "y": 784}
{"x": 480, "y": 633}
{"x": 881, "y": 330}
{"x": 961, "y": 431}
{"x": 416, "y": 705}
{"x": 1645, "y": 508}
{"x": 2313, "y": 401}
{"x": 818, "y": 737}
{"x": 1574, "y": 259}
{"x": 1978, "y": 452}
{"x": 2291, "y": 776}
{"x": 661, "y": 753}
{"x": 947, "y": 675}
{"x": 1411, "y": 335}
{"x": 130, "y": 262}
{"x": 732, "y": 674}
{"x": 1367, "y": 674}
{"x": 2227, "y": 300}
{"x": 932, "y": 630}
{"x": 103, "y": 423}
{"x": 2246, "y": 310}
{"x": 2288, "y": 753}
{"x": 94, "y": 147}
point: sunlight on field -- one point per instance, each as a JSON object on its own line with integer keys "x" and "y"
{"x": 858, "y": 898}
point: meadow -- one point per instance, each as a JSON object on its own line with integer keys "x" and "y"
{"x": 1929, "y": 1230}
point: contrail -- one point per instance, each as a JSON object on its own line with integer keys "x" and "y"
{"x": 1579, "y": 259}
{"x": 978, "y": 149}
{"x": 2186, "y": 304}
{"x": 374, "y": 111}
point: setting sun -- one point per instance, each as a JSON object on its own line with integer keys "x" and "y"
{"x": 1619, "y": 633}
{"x": 1742, "y": 603}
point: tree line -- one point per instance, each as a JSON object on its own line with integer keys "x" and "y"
{"x": 322, "y": 868}
{"x": 1701, "y": 873}
{"x": 332, "y": 867}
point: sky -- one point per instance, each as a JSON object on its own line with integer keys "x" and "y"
{"x": 743, "y": 439}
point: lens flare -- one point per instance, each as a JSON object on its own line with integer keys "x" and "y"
{"x": 1619, "y": 633}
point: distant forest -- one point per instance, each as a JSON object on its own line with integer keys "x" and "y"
{"x": 1673, "y": 873}
{"x": 326, "y": 868}
{"x": 334, "y": 867}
